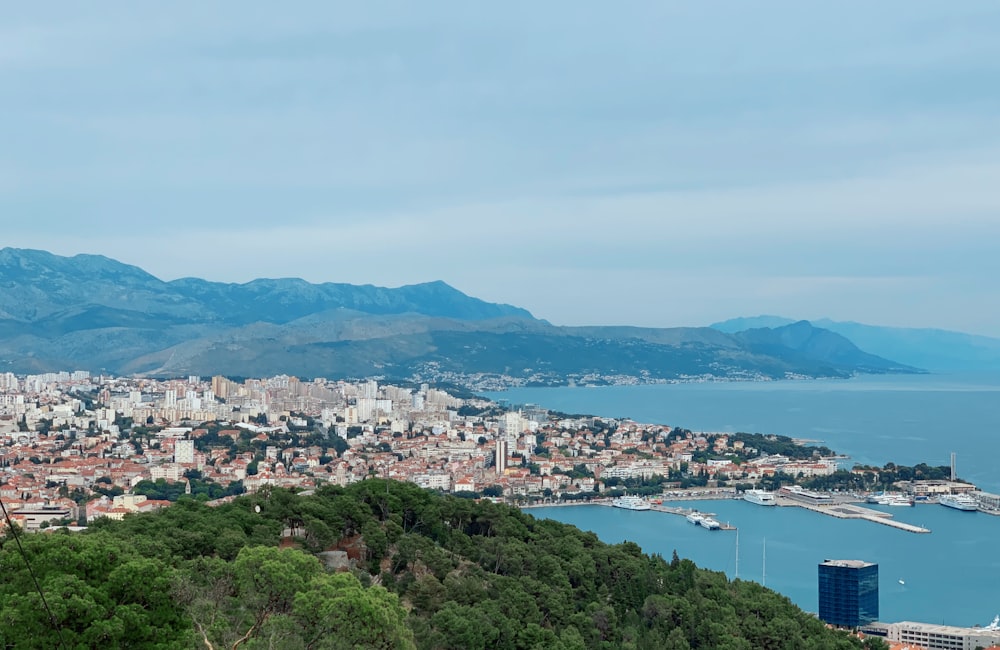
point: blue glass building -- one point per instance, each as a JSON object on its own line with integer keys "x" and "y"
{"x": 848, "y": 592}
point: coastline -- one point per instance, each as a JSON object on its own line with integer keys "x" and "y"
{"x": 841, "y": 508}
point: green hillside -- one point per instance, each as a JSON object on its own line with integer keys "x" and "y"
{"x": 428, "y": 571}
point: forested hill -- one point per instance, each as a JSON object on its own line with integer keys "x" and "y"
{"x": 429, "y": 571}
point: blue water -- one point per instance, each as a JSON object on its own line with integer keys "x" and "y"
{"x": 875, "y": 420}
{"x": 950, "y": 575}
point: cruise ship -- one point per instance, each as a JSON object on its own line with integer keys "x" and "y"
{"x": 959, "y": 502}
{"x": 760, "y": 497}
{"x": 630, "y": 503}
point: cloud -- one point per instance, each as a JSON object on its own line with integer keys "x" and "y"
{"x": 668, "y": 162}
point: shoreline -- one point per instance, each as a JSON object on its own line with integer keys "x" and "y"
{"x": 848, "y": 509}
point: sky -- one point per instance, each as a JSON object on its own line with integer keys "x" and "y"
{"x": 651, "y": 163}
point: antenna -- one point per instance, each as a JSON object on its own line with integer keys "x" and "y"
{"x": 763, "y": 579}
{"x": 737, "y": 553}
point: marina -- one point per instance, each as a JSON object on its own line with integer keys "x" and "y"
{"x": 839, "y": 507}
{"x": 874, "y": 420}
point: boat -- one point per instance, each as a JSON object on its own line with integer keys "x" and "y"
{"x": 631, "y": 503}
{"x": 695, "y": 517}
{"x": 890, "y": 499}
{"x": 902, "y": 582}
{"x": 760, "y": 497}
{"x": 896, "y": 499}
{"x": 959, "y": 502}
{"x": 709, "y": 523}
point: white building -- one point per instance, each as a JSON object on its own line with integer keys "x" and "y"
{"x": 937, "y": 637}
{"x": 512, "y": 424}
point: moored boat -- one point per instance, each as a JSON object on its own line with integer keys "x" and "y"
{"x": 695, "y": 517}
{"x": 630, "y": 503}
{"x": 760, "y": 497}
{"x": 959, "y": 502}
{"x": 709, "y": 523}
{"x": 890, "y": 499}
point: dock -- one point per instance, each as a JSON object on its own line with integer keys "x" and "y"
{"x": 852, "y": 511}
{"x": 684, "y": 512}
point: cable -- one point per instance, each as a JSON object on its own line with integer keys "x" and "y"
{"x": 31, "y": 572}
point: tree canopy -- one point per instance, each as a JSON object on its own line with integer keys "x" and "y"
{"x": 413, "y": 570}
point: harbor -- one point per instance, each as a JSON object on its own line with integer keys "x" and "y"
{"x": 839, "y": 505}
{"x": 687, "y": 512}
{"x": 854, "y": 511}
{"x": 842, "y": 508}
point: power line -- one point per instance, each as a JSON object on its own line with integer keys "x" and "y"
{"x": 31, "y": 572}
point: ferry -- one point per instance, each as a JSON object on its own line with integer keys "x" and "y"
{"x": 760, "y": 497}
{"x": 631, "y": 503}
{"x": 959, "y": 502}
{"x": 709, "y": 523}
{"x": 695, "y": 517}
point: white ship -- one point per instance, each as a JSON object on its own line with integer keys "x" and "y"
{"x": 890, "y": 499}
{"x": 760, "y": 497}
{"x": 709, "y": 523}
{"x": 695, "y": 517}
{"x": 630, "y": 503}
{"x": 959, "y": 502}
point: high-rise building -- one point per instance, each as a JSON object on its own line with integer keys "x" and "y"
{"x": 366, "y": 408}
{"x": 848, "y": 592}
{"x": 512, "y": 424}
{"x": 501, "y": 455}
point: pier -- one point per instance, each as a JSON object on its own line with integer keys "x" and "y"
{"x": 673, "y": 510}
{"x": 852, "y": 511}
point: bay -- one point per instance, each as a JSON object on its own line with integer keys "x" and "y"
{"x": 950, "y": 575}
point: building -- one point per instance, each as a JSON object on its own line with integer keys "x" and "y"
{"x": 796, "y": 493}
{"x": 936, "y": 637}
{"x": 848, "y": 592}
{"x": 501, "y": 456}
{"x": 184, "y": 451}
{"x": 511, "y": 424}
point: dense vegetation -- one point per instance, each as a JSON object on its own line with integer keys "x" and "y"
{"x": 428, "y": 571}
{"x": 868, "y": 478}
{"x": 772, "y": 444}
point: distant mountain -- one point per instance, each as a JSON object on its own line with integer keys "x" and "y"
{"x": 36, "y": 284}
{"x": 810, "y": 344}
{"x": 734, "y": 325}
{"x": 91, "y": 312}
{"x": 933, "y": 349}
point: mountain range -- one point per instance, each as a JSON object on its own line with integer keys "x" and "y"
{"x": 94, "y": 313}
{"x": 933, "y": 349}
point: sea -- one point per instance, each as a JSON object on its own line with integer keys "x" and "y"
{"x": 950, "y": 576}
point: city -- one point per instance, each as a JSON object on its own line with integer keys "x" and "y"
{"x": 77, "y": 447}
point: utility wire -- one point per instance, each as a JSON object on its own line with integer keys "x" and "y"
{"x": 31, "y": 572}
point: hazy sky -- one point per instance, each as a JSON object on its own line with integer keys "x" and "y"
{"x": 651, "y": 163}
